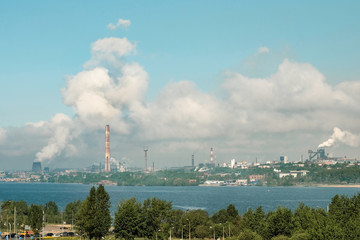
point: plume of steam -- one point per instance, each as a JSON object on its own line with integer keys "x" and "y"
{"x": 60, "y": 125}
{"x": 341, "y": 136}
{"x": 2, "y": 135}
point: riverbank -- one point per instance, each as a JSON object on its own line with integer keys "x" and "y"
{"x": 338, "y": 185}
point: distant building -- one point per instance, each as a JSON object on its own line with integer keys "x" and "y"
{"x": 281, "y": 175}
{"x": 301, "y": 172}
{"x": 232, "y": 163}
{"x": 284, "y": 159}
{"x": 241, "y": 182}
{"x": 36, "y": 167}
{"x": 256, "y": 178}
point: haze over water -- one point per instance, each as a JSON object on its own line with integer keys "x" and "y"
{"x": 210, "y": 199}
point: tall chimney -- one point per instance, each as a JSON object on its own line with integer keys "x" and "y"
{"x": 107, "y": 148}
{"x": 211, "y": 156}
{"x": 146, "y": 167}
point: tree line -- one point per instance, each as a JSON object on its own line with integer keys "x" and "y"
{"x": 156, "y": 219}
{"x": 337, "y": 174}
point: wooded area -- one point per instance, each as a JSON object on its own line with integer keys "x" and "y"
{"x": 156, "y": 219}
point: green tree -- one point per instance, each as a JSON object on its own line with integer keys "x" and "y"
{"x": 259, "y": 218}
{"x": 247, "y": 234}
{"x": 195, "y": 218}
{"x": 249, "y": 220}
{"x": 232, "y": 212}
{"x": 102, "y": 217}
{"x": 301, "y": 236}
{"x": 279, "y": 222}
{"x": 52, "y": 214}
{"x": 319, "y": 226}
{"x": 51, "y": 208}
{"x": 71, "y": 210}
{"x": 280, "y": 237}
{"x": 128, "y": 221}
{"x": 156, "y": 214}
{"x": 7, "y": 212}
{"x": 175, "y": 216}
{"x": 220, "y": 216}
{"x": 35, "y": 219}
{"x": 344, "y": 215}
{"x": 202, "y": 232}
{"x": 93, "y": 218}
{"x": 303, "y": 218}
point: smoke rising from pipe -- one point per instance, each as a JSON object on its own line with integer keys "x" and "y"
{"x": 341, "y": 136}
{"x": 2, "y": 135}
{"x": 61, "y": 125}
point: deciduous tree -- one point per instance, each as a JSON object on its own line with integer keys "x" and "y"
{"x": 93, "y": 218}
{"x": 35, "y": 219}
{"x": 128, "y": 222}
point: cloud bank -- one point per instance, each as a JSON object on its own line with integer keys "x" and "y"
{"x": 248, "y": 115}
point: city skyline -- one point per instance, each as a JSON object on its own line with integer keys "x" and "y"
{"x": 251, "y": 80}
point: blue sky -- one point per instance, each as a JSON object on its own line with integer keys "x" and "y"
{"x": 44, "y": 42}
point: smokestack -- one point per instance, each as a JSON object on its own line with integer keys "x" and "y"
{"x": 192, "y": 160}
{"x": 107, "y": 148}
{"x": 145, "y": 150}
{"x": 211, "y": 156}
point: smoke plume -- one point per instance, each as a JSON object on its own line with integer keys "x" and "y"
{"x": 2, "y": 135}
{"x": 61, "y": 126}
{"x": 341, "y": 136}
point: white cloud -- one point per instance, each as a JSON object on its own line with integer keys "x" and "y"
{"x": 180, "y": 112}
{"x": 345, "y": 137}
{"x": 296, "y": 97}
{"x": 289, "y": 109}
{"x": 120, "y": 23}
{"x": 2, "y": 135}
{"x": 263, "y": 50}
{"x": 109, "y": 51}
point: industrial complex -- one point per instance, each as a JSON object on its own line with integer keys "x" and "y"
{"x": 110, "y": 165}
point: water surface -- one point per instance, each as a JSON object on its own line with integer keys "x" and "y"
{"x": 210, "y": 199}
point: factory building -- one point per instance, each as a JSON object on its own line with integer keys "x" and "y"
{"x": 321, "y": 157}
{"x": 36, "y": 167}
{"x": 284, "y": 159}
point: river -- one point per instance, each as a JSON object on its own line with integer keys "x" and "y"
{"x": 210, "y": 199}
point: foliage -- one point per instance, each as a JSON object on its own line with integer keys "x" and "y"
{"x": 71, "y": 210}
{"x": 155, "y": 218}
{"x": 52, "y": 212}
{"x": 248, "y": 235}
{"x": 155, "y": 213}
{"x": 93, "y": 217}
{"x": 7, "y": 212}
{"x": 35, "y": 219}
{"x": 279, "y": 222}
{"x": 128, "y": 222}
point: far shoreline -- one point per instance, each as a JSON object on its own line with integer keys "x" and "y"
{"x": 338, "y": 185}
{"x": 200, "y": 185}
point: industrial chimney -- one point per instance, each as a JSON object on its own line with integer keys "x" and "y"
{"x": 212, "y": 156}
{"x": 107, "y": 148}
{"x": 146, "y": 167}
